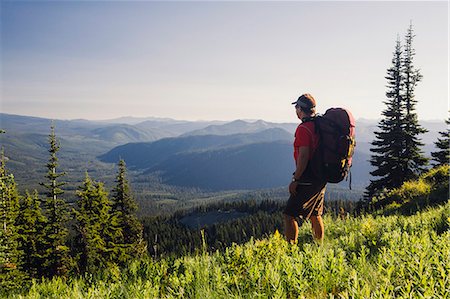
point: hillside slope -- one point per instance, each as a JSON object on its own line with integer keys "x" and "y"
{"x": 143, "y": 155}
{"x": 365, "y": 257}
{"x": 253, "y": 166}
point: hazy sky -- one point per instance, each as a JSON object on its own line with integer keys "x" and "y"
{"x": 214, "y": 60}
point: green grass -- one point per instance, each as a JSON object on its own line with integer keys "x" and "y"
{"x": 430, "y": 189}
{"x": 364, "y": 257}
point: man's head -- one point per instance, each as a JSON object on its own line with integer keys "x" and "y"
{"x": 305, "y": 106}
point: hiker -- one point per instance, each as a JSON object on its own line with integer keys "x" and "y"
{"x": 306, "y": 191}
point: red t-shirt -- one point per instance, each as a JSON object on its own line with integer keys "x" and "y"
{"x": 305, "y": 135}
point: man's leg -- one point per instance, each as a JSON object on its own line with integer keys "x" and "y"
{"x": 290, "y": 229}
{"x": 317, "y": 227}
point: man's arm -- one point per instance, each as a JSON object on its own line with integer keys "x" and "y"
{"x": 302, "y": 162}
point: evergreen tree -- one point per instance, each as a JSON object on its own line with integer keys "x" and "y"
{"x": 397, "y": 156}
{"x": 10, "y": 276}
{"x": 93, "y": 226}
{"x": 56, "y": 252}
{"x": 30, "y": 223}
{"x": 442, "y": 156}
{"x": 389, "y": 144}
{"x": 124, "y": 209}
{"x": 414, "y": 161}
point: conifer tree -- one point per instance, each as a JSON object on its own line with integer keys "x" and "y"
{"x": 10, "y": 276}
{"x": 442, "y": 156}
{"x": 56, "y": 252}
{"x": 93, "y": 226}
{"x": 124, "y": 209}
{"x": 389, "y": 144}
{"x": 30, "y": 223}
{"x": 414, "y": 161}
{"x": 397, "y": 155}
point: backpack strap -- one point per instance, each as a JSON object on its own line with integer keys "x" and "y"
{"x": 309, "y": 118}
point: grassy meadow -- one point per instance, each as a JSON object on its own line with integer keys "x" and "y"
{"x": 364, "y": 257}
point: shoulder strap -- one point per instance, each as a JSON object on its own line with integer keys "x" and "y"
{"x": 307, "y": 119}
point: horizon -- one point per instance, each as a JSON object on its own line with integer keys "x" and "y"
{"x": 361, "y": 119}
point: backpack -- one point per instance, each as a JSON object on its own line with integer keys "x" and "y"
{"x": 333, "y": 157}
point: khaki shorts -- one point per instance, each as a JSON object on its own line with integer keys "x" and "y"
{"x": 308, "y": 201}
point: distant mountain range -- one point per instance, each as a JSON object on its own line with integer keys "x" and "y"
{"x": 123, "y": 131}
{"x": 210, "y": 155}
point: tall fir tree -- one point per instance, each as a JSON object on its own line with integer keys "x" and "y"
{"x": 56, "y": 252}
{"x": 93, "y": 227}
{"x": 30, "y": 223}
{"x": 397, "y": 155}
{"x": 124, "y": 209}
{"x": 414, "y": 161}
{"x": 442, "y": 155}
{"x": 10, "y": 276}
{"x": 389, "y": 144}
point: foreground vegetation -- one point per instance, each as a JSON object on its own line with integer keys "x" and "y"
{"x": 362, "y": 257}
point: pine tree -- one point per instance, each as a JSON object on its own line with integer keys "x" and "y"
{"x": 93, "y": 226}
{"x": 10, "y": 276}
{"x": 56, "y": 252}
{"x": 414, "y": 161}
{"x": 397, "y": 154}
{"x": 389, "y": 144}
{"x": 124, "y": 209}
{"x": 442, "y": 156}
{"x": 30, "y": 223}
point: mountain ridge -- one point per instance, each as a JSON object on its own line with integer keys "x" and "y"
{"x": 144, "y": 155}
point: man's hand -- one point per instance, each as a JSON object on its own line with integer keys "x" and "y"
{"x": 293, "y": 188}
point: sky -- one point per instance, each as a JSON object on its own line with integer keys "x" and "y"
{"x": 214, "y": 60}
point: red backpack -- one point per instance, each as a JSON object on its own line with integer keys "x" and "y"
{"x": 333, "y": 157}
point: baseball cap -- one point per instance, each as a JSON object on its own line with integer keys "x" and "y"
{"x": 305, "y": 101}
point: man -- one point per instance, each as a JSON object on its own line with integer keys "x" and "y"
{"x": 306, "y": 191}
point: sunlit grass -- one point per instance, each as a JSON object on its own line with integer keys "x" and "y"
{"x": 365, "y": 257}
